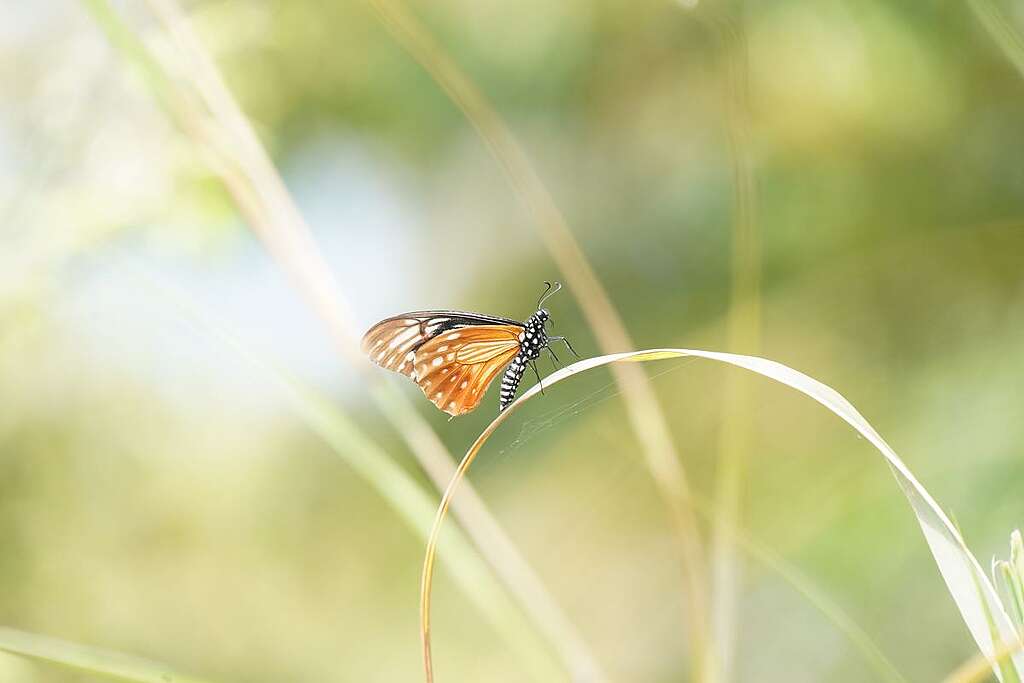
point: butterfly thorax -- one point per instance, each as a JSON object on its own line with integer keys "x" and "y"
{"x": 532, "y": 339}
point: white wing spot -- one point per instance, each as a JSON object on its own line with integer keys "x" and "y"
{"x": 402, "y": 337}
{"x": 464, "y": 384}
{"x": 442, "y": 349}
{"x": 437, "y": 361}
{"x": 451, "y": 356}
{"x": 451, "y": 404}
{"x": 453, "y": 335}
{"x": 437, "y": 395}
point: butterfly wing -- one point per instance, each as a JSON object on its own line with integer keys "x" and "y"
{"x": 455, "y": 368}
{"x": 391, "y": 343}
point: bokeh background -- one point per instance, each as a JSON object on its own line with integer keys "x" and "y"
{"x": 160, "y": 496}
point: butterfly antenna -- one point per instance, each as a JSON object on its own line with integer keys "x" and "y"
{"x": 548, "y": 292}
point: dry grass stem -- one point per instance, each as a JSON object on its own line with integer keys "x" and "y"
{"x": 979, "y": 667}
{"x": 645, "y": 414}
{"x": 744, "y": 321}
{"x": 224, "y": 134}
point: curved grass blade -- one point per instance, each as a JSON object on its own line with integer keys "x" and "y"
{"x": 107, "y": 663}
{"x": 968, "y": 584}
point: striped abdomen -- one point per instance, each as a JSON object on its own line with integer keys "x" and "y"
{"x": 510, "y": 380}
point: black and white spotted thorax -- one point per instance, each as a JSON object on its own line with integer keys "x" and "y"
{"x": 532, "y": 340}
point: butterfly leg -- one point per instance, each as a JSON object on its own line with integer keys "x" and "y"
{"x": 567, "y": 344}
{"x": 553, "y": 356}
{"x": 533, "y": 364}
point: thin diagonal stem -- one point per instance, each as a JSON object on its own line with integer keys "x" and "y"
{"x": 743, "y": 337}
{"x": 226, "y": 137}
{"x": 999, "y": 28}
{"x": 645, "y": 414}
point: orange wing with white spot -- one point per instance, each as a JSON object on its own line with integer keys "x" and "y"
{"x": 455, "y": 368}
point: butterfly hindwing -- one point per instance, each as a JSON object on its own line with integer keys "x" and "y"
{"x": 455, "y": 367}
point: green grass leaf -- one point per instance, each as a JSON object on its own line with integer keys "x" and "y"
{"x": 106, "y": 663}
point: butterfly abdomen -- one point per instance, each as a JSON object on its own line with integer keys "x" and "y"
{"x": 510, "y": 380}
{"x": 532, "y": 339}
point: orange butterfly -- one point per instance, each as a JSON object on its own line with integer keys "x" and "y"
{"x": 454, "y": 356}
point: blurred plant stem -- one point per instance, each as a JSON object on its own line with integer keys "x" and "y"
{"x": 861, "y": 640}
{"x": 194, "y": 93}
{"x": 100, "y": 662}
{"x": 395, "y": 486}
{"x": 744, "y": 323}
{"x": 978, "y": 668}
{"x": 645, "y": 414}
{"x": 999, "y": 28}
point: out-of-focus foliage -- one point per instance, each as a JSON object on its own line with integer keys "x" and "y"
{"x": 157, "y": 496}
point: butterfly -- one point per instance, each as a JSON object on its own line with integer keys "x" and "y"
{"x": 454, "y": 356}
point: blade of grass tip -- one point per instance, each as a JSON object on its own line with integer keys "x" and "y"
{"x": 1000, "y": 30}
{"x": 1003, "y": 571}
{"x": 873, "y": 655}
{"x": 106, "y": 663}
{"x": 645, "y": 414}
{"x": 238, "y": 157}
{"x": 395, "y": 486}
{"x": 967, "y": 583}
{"x": 744, "y": 322}
{"x": 1016, "y": 571}
{"x": 1003, "y": 668}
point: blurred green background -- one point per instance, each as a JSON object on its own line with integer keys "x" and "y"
{"x": 158, "y": 496}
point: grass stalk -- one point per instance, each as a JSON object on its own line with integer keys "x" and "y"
{"x": 999, "y": 28}
{"x": 872, "y": 654}
{"x": 645, "y": 414}
{"x": 979, "y": 668}
{"x": 970, "y": 588}
{"x": 208, "y": 114}
{"x": 743, "y": 335}
{"x": 100, "y": 662}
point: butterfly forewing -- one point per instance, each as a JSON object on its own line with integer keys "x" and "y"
{"x": 390, "y": 343}
{"x": 455, "y": 368}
